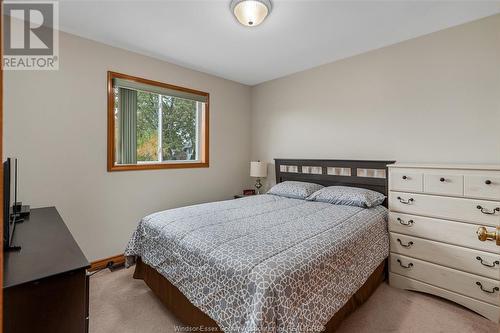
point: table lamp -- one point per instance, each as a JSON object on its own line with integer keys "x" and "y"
{"x": 258, "y": 170}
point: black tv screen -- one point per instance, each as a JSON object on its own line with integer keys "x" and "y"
{"x": 8, "y": 196}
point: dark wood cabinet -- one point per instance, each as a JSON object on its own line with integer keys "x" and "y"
{"x": 45, "y": 283}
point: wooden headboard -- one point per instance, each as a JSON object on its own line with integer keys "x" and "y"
{"x": 372, "y": 175}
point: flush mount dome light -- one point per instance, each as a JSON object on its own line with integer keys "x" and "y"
{"x": 251, "y": 12}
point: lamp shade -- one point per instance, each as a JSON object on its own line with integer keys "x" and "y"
{"x": 258, "y": 169}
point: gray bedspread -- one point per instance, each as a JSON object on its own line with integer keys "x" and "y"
{"x": 264, "y": 263}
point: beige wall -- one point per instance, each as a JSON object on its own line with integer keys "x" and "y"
{"x": 55, "y": 122}
{"x": 431, "y": 99}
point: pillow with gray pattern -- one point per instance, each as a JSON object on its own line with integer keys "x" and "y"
{"x": 295, "y": 190}
{"x": 348, "y": 196}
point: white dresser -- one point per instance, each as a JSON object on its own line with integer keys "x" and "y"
{"x": 435, "y": 212}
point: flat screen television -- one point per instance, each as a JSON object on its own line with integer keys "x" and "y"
{"x": 9, "y": 198}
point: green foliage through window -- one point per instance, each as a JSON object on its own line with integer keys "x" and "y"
{"x": 147, "y": 126}
{"x": 179, "y": 128}
{"x": 179, "y": 132}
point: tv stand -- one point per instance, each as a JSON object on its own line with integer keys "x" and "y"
{"x": 45, "y": 285}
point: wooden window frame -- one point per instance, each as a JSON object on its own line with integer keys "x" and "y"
{"x": 204, "y": 137}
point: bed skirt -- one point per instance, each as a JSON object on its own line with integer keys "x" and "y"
{"x": 191, "y": 316}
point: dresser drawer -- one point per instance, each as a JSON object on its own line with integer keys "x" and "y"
{"x": 460, "y": 209}
{"x": 444, "y": 184}
{"x": 457, "y": 233}
{"x": 406, "y": 181}
{"x": 487, "y": 310}
{"x": 461, "y": 258}
{"x": 482, "y": 186}
{"x": 467, "y": 284}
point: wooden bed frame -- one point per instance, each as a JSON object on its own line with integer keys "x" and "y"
{"x": 365, "y": 174}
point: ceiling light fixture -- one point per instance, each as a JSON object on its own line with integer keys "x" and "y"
{"x": 251, "y": 13}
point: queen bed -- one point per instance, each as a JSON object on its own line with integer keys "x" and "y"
{"x": 272, "y": 262}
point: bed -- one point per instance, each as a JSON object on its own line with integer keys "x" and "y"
{"x": 268, "y": 263}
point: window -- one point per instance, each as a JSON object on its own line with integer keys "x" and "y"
{"x": 155, "y": 125}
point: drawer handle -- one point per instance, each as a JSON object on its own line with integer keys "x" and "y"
{"x": 485, "y": 290}
{"x": 410, "y": 265}
{"x": 487, "y": 182}
{"x": 404, "y": 177}
{"x": 406, "y": 245}
{"x": 406, "y": 202}
{"x": 496, "y": 262}
{"x": 408, "y": 224}
{"x": 442, "y": 179}
{"x": 488, "y": 212}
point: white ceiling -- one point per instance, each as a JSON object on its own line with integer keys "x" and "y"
{"x": 203, "y": 35}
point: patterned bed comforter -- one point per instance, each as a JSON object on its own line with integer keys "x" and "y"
{"x": 264, "y": 263}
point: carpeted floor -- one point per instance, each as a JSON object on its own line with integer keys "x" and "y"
{"x": 119, "y": 303}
